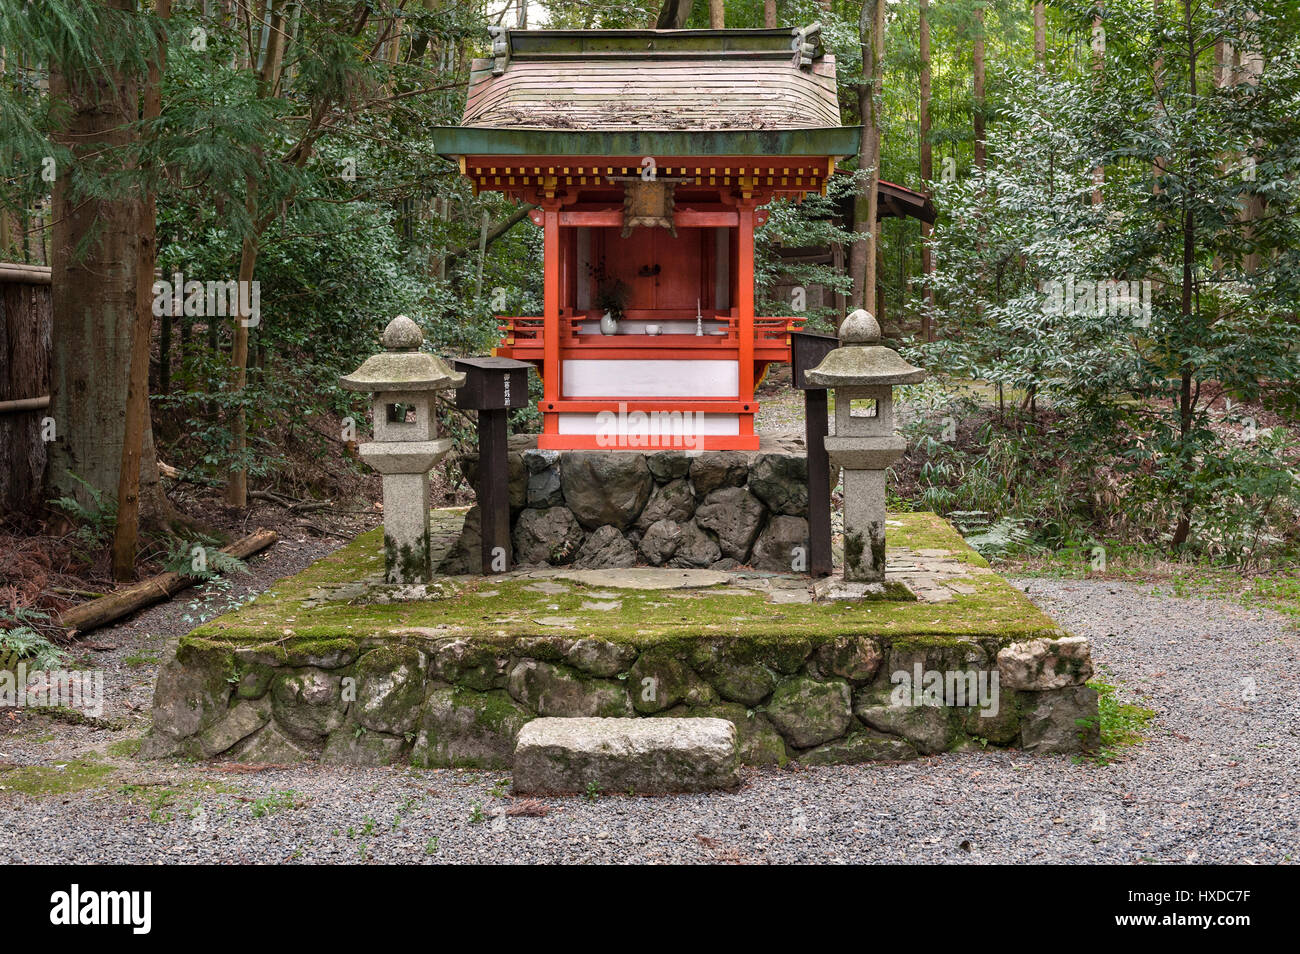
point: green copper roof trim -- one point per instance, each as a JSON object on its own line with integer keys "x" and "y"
{"x": 548, "y": 43}
{"x": 836, "y": 141}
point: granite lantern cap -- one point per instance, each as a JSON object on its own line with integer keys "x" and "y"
{"x": 402, "y": 366}
{"x": 861, "y": 360}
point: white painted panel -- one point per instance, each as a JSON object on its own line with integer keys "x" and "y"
{"x": 650, "y": 377}
{"x": 667, "y": 429}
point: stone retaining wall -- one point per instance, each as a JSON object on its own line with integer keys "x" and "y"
{"x": 598, "y": 509}
{"x": 437, "y": 700}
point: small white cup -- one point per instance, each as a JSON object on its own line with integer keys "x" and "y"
{"x": 652, "y": 329}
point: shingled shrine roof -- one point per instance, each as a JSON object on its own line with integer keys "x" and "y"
{"x": 722, "y": 92}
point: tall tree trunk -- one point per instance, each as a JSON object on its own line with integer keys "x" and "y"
{"x": 1187, "y": 297}
{"x": 1040, "y": 36}
{"x": 674, "y": 14}
{"x": 862, "y": 259}
{"x": 237, "y": 482}
{"x": 927, "y": 170}
{"x": 1157, "y": 83}
{"x": 1099, "y": 66}
{"x": 93, "y": 286}
{"x": 126, "y": 533}
{"x": 769, "y": 14}
{"x": 977, "y": 66}
{"x": 717, "y": 15}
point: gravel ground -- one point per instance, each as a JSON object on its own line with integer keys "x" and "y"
{"x": 1216, "y": 781}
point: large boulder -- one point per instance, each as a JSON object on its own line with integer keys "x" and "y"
{"x": 242, "y": 720}
{"x": 1040, "y": 664}
{"x": 660, "y": 541}
{"x": 673, "y": 501}
{"x": 1059, "y": 720}
{"x": 606, "y": 547}
{"x": 781, "y": 482}
{"x": 855, "y": 658}
{"x": 193, "y": 691}
{"x": 460, "y": 728}
{"x": 926, "y": 727}
{"x": 544, "y": 489}
{"x": 547, "y": 536}
{"x": 808, "y": 712}
{"x": 782, "y": 547}
{"x": 668, "y": 465}
{"x": 714, "y": 469}
{"x": 466, "y": 663}
{"x": 695, "y": 548}
{"x": 605, "y": 487}
{"x": 270, "y": 744}
{"x": 599, "y": 657}
{"x": 307, "y": 704}
{"x": 390, "y": 688}
{"x": 734, "y": 515}
{"x": 466, "y": 554}
{"x": 733, "y": 671}
{"x": 658, "y": 682}
{"x": 551, "y": 690}
{"x": 647, "y": 756}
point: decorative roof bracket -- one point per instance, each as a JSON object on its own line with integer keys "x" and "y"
{"x": 500, "y": 48}
{"x": 807, "y": 45}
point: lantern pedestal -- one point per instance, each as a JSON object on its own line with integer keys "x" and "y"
{"x": 405, "y": 469}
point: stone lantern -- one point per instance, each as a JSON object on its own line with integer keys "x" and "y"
{"x": 862, "y": 373}
{"x": 404, "y": 382}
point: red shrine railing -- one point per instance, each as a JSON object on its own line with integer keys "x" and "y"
{"x": 523, "y": 335}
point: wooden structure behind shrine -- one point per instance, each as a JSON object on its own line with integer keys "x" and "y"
{"x": 650, "y": 155}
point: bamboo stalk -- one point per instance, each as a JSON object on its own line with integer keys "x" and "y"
{"x": 30, "y": 274}
{"x": 24, "y": 404}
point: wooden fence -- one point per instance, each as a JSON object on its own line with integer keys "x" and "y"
{"x": 25, "y": 326}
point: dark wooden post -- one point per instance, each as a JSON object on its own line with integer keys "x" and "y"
{"x": 807, "y": 351}
{"x": 492, "y": 387}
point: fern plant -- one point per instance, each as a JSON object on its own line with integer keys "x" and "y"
{"x": 96, "y": 521}
{"x": 23, "y": 642}
{"x": 200, "y": 559}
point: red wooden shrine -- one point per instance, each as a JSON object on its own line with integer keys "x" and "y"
{"x": 690, "y": 133}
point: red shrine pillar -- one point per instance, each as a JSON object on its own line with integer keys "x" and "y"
{"x": 551, "y": 311}
{"x": 745, "y": 304}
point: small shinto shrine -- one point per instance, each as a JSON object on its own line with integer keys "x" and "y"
{"x": 649, "y": 156}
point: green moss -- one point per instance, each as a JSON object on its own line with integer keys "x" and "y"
{"x": 62, "y": 778}
{"x": 853, "y": 550}
{"x": 124, "y": 748}
{"x": 294, "y": 619}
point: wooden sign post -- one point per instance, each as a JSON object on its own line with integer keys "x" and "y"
{"x": 807, "y": 351}
{"x": 492, "y": 387}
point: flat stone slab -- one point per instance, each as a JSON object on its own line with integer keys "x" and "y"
{"x": 646, "y": 578}
{"x": 649, "y": 756}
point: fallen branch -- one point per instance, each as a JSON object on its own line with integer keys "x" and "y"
{"x": 114, "y": 606}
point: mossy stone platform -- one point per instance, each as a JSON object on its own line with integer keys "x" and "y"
{"x": 332, "y": 664}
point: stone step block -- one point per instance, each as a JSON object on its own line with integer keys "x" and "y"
{"x": 649, "y": 756}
